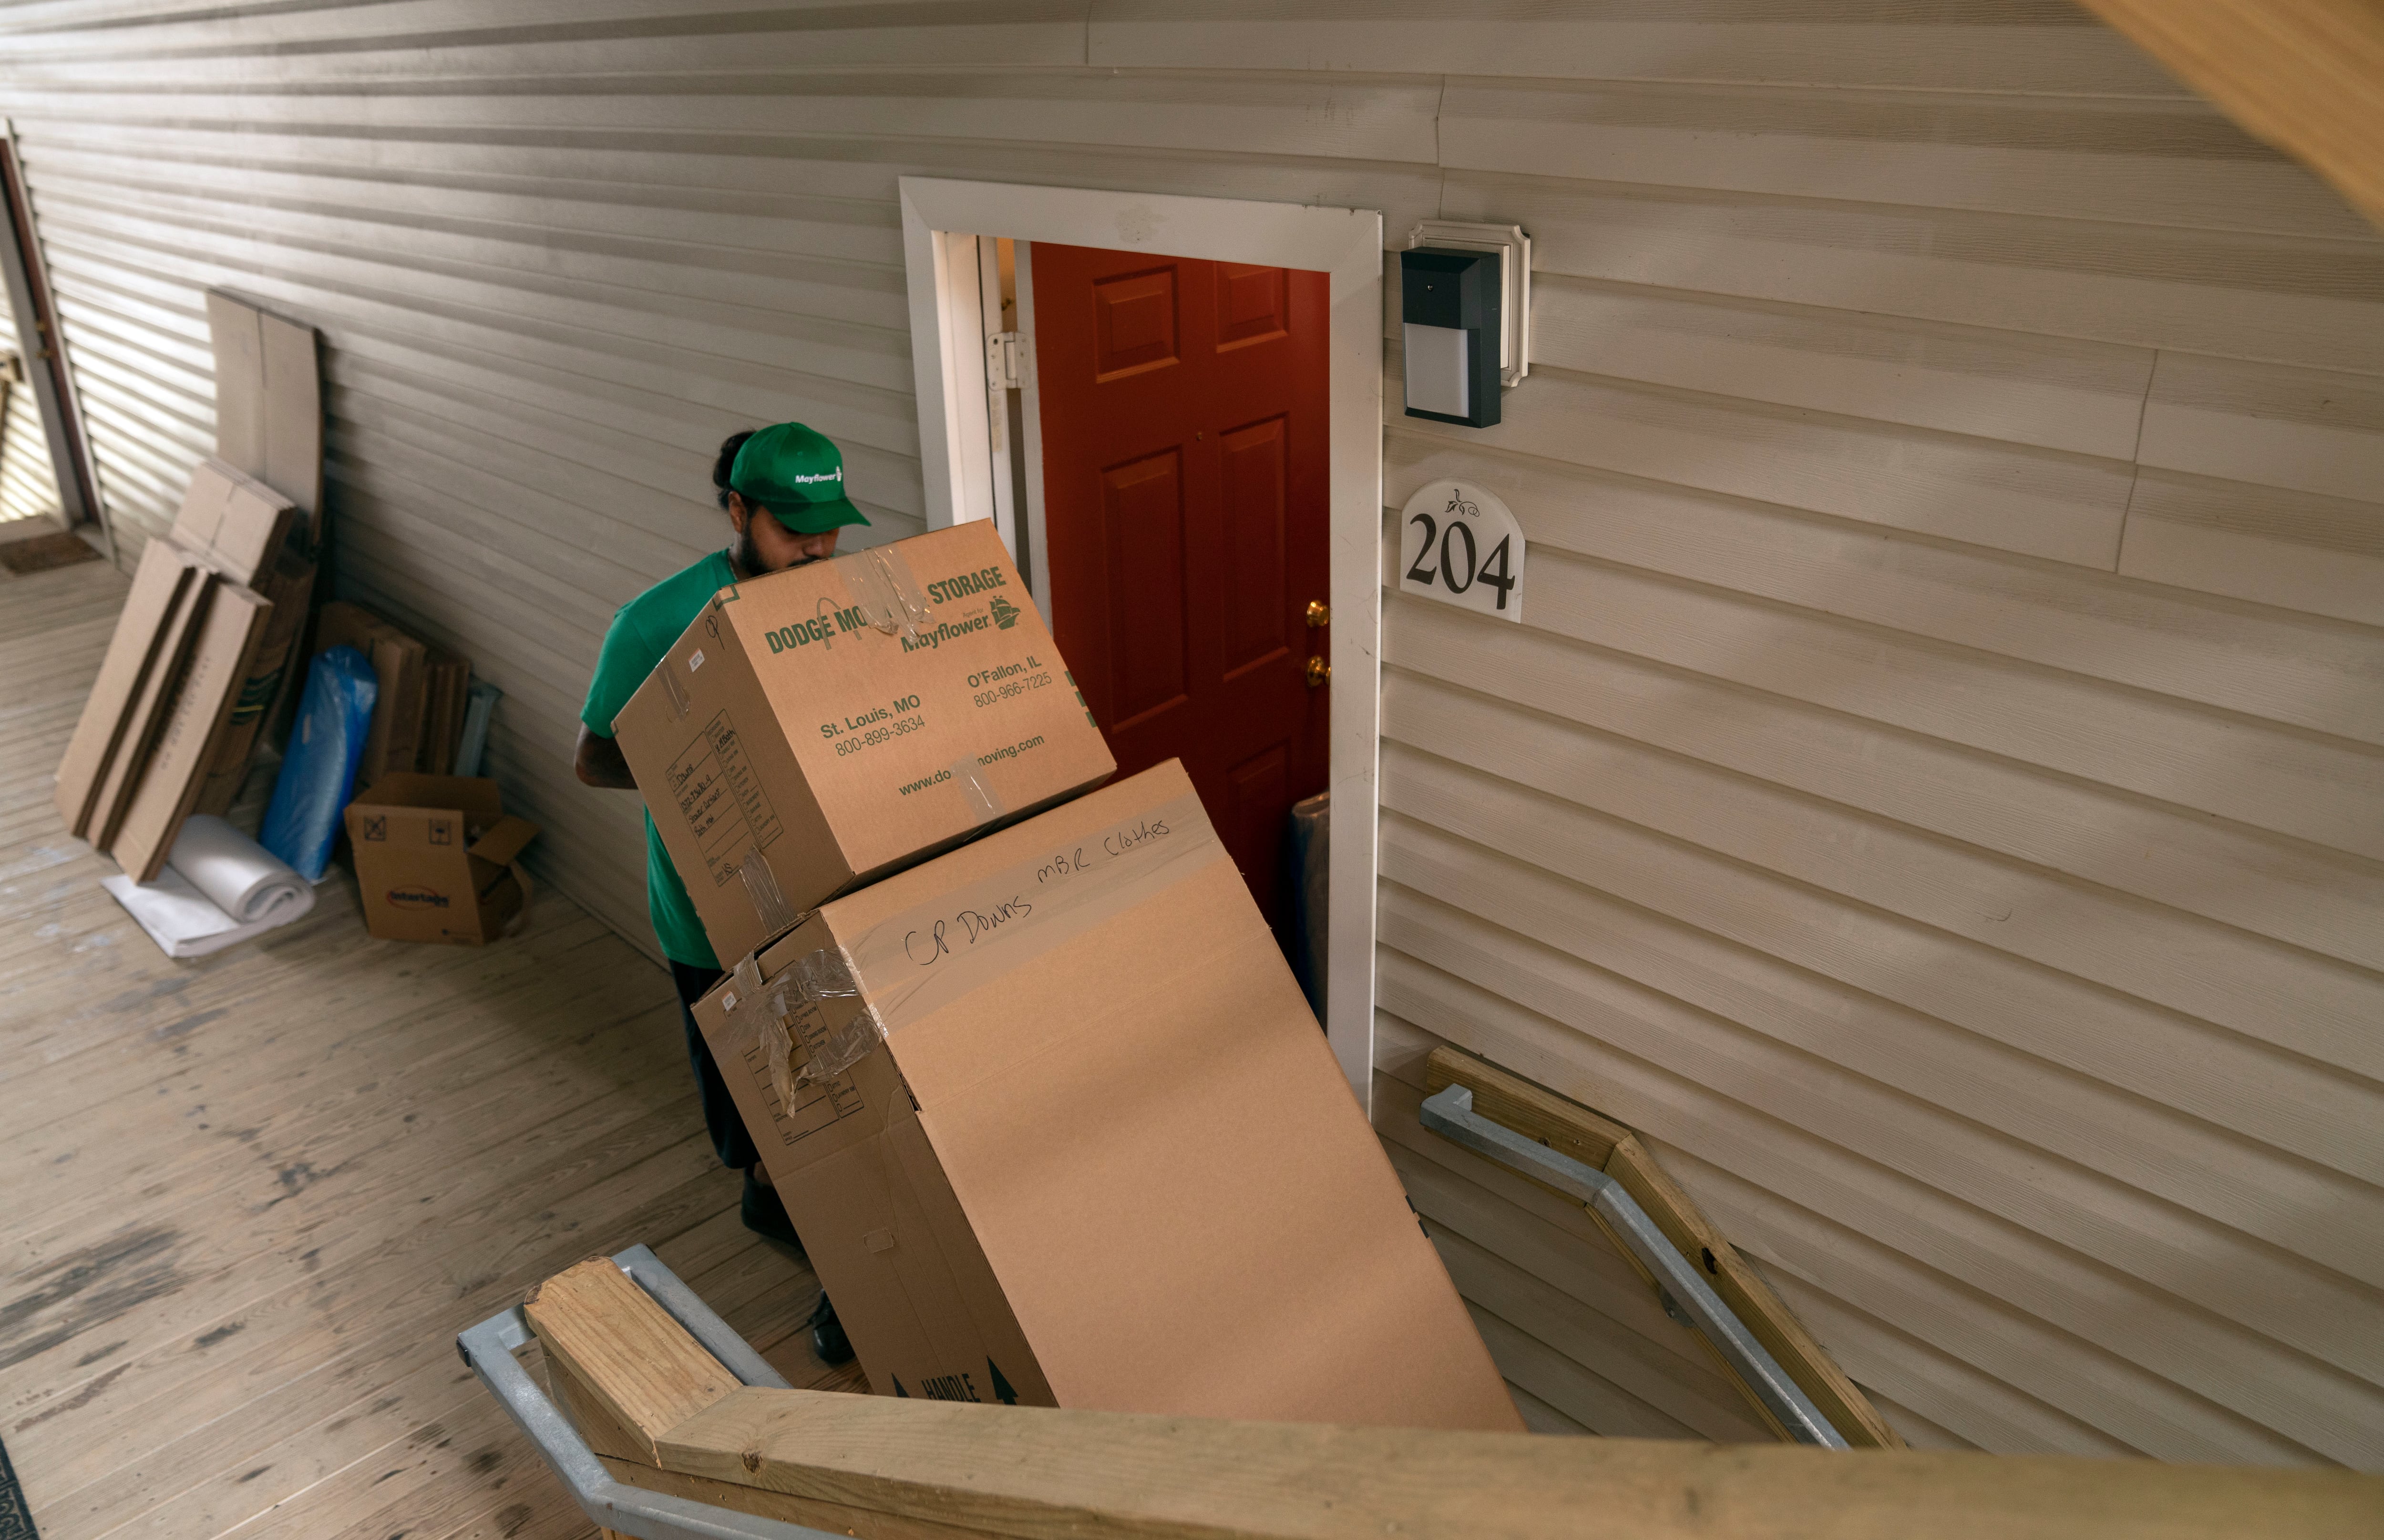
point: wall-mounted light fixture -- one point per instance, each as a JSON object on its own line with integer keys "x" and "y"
{"x": 1464, "y": 304}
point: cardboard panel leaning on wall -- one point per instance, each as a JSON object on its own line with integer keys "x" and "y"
{"x": 194, "y": 730}
{"x": 146, "y": 711}
{"x": 270, "y": 402}
{"x": 144, "y": 634}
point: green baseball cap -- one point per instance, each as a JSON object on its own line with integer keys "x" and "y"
{"x": 798, "y": 475}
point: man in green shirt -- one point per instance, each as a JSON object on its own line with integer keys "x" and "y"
{"x": 784, "y": 489}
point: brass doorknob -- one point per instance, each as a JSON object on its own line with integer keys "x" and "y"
{"x": 1319, "y": 671}
{"x": 1319, "y": 613}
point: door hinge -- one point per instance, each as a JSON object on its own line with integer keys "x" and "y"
{"x": 1004, "y": 365}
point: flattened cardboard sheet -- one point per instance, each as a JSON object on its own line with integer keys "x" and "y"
{"x": 194, "y": 729}
{"x": 145, "y": 718}
{"x": 160, "y": 589}
{"x": 270, "y": 402}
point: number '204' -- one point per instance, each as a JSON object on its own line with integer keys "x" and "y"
{"x": 1449, "y": 557}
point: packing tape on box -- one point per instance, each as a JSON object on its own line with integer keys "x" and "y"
{"x": 676, "y": 689}
{"x": 881, "y": 585}
{"x": 769, "y": 900}
{"x": 984, "y": 806}
{"x": 922, "y": 960}
{"x": 814, "y": 1003}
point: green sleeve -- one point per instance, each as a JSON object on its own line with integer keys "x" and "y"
{"x": 622, "y": 664}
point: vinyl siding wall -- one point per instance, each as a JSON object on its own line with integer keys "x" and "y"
{"x": 1935, "y": 797}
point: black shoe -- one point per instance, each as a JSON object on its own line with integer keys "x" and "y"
{"x": 764, "y": 1213}
{"x": 828, "y": 1334}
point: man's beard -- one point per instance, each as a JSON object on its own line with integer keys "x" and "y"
{"x": 747, "y": 556}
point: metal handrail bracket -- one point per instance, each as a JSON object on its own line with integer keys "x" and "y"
{"x": 489, "y": 1349}
{"x": 1449, "y": 1112}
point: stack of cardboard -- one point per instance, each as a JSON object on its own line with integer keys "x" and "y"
{"x": 1051, "y": 1117}
{"x": 198, "y": 662}
{"x": 418, "y": 712}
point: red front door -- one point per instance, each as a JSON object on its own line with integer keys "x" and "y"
{"x": 1184, "y": 494}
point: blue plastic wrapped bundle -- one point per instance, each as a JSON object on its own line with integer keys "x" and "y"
{"x": 320, "y": 774}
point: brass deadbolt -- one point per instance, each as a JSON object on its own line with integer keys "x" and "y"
{"x": 1319, "y": 613}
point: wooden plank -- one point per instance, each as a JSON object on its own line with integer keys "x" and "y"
{"x": 820, "y": 1513}
{"x": 2307, "y": 77}
{"x": 1570, "y": 1128}
{"x": 646, "y": 1373}
{"x": 1097, "y": 1474}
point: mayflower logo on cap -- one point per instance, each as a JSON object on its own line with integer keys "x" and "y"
{"x": 796, "y": 473}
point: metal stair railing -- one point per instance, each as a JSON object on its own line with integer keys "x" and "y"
{"x": 1449, "y": 1112}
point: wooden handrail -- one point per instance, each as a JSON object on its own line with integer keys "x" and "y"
{"x": 2307, "y": 76}
{"x": 914, "y": 1470}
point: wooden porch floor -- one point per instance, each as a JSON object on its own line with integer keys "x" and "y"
{"x": 247, "y": 1202}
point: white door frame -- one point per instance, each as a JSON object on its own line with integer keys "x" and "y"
{"x": 947, "y": 353}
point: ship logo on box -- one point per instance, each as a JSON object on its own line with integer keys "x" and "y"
{"x": 415, "y": 898}
{"x": 1005, "y": 613}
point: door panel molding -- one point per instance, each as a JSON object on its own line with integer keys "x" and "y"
{"x": 1346, "y": 244}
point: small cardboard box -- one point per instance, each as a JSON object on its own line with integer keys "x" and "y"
{"x": 819, "y": 728}
{"x": 438, "y": 858}
{"x": 1057, "y": 1128}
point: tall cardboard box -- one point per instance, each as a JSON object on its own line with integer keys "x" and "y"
{"x": 438, "y": 858}
{"x": 818, "y": 729}
{"x": 1057, "y": 1128}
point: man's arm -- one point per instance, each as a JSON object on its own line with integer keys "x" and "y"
{"x": 598, "y": 761}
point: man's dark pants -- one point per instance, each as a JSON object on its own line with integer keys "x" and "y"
{"x": 721, "y": 1119}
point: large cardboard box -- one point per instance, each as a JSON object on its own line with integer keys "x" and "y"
{"x": 438, "y": 858}
{"x": 818, "y": 729}
{"x": 1057, "y": 1128}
